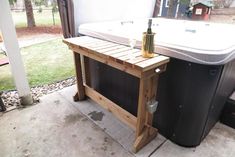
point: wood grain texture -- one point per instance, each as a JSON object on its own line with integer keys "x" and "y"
{"x": 78, "y": 69}
{"x": 124, "y": 55}
{"x": 119, "y": 112}
{"x": 127, "y": 60}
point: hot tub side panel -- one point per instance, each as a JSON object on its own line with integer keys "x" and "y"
{"x": 225, "y": 88}
{"x": 116, "y": 85}
{"x": 185, "y": 93}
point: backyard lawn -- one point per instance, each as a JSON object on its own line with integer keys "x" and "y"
{"x": 45, "y": 63}
{"x": 44, "y": 18}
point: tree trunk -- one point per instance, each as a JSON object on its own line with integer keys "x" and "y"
{"x": 170, "y": 11}
{"x": 156, "y": 8}
{"x": 29, "y": 13}
{"x": 46, "y": 3}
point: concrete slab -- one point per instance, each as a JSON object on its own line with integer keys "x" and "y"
{"x": 52, "y": 128}
{"x": 219, "y": 143}
{"x": 57, "y": 126}
{"x": 122, "y": 133}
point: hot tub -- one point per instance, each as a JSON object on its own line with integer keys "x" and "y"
{"x": 198, "y": 42}
{"x": 198, "y": 80}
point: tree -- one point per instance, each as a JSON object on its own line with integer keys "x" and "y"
{"x": 172, "y": 4}
{"x": 12, "y": 2}
{"x": 170, "y": 11}
{"x": 46, "y": 3}
{"x": 29, "y": 13}
{"x": 227, "y": 3}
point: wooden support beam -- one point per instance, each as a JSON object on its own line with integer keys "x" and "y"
{"x": 144, "y": 130}
{"x": 147, "y": 135}
{"x": 93, "y": 55}
{"x": 80, "y": 95}
{"x": 87, "y": 71}
{"x": 119, "y": 112}
{"x": 142, "y": 101}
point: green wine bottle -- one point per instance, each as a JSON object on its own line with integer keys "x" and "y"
{"x": 149, "y": 30}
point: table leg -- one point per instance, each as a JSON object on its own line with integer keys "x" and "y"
{"x": 144, "y": 130}
{"x": 80, "y": 95}
{"x": 2, "y": 106}
{"x": 87, "y": 72}
{"x": 152, "y": 96}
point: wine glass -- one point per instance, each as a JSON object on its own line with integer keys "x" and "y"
{"x": 132, "y": 43}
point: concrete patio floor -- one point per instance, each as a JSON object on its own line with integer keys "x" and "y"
{"x": 59, "y": 127}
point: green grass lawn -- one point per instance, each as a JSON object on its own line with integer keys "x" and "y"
{"x": 44, "y": 18}
{"x": 44, "y": 63}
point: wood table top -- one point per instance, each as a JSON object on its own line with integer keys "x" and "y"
{"x": 108, "y": 51}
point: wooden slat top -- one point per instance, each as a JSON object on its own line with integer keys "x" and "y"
{"x": 121, "y": 54}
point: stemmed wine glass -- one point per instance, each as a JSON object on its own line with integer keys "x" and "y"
{"x": 132, "y": 43}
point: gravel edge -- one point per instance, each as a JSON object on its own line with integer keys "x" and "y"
{"x": 11, "y": 98}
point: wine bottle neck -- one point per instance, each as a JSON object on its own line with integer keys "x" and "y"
{"x": 149, "y": 30}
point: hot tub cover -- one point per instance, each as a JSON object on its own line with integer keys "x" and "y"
{"x": 198, "y": 42}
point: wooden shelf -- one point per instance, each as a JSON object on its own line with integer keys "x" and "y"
{"x": 118, "y": 56}
{"x": 130, "y": 61}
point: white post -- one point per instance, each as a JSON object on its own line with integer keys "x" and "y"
{"x": 13, "y": 52}
{"x": 160, "y": 9}
{"x": 177, "y": 9}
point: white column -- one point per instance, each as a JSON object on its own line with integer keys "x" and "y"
{"x": 160, "y": 9}
{"x": 13, "y": 52}
{"x": 177, "y": 9}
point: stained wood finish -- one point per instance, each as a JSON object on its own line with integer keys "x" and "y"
{"x": 80, "y": 95}
{"x": 130, "y": 61}
{"x": 108, "y": 61}
{"x": 119, "y": 112}
{"x": 87, "y": 72}
{"x": 106, "y": 52}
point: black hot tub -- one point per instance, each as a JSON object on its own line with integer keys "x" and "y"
{"x": 199, "y": 78}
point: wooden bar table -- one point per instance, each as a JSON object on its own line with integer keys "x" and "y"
{"x": 127, "y": 60}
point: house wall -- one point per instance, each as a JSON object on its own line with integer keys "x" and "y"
{"x": 164, "y": 8}
{"x": 182, "y": 9}
{"x": 204, "y": 14}
{"x": 95, "y": 11}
